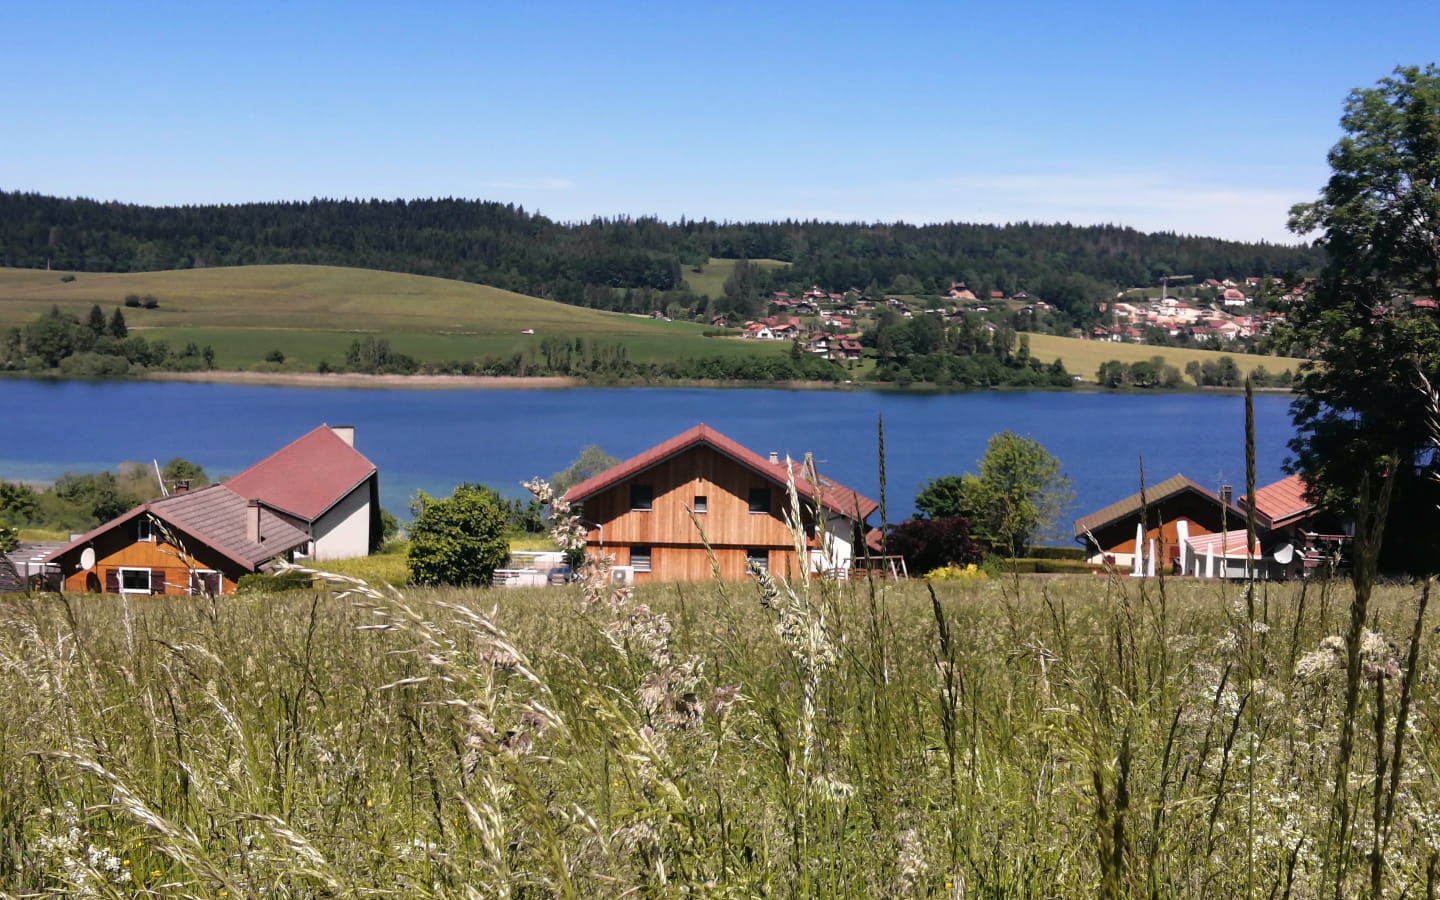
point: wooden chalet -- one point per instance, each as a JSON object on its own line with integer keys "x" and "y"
{"x": 663, "y": 513}
{"x": 1174, "y": 511}
{"x": 192, "y": 542}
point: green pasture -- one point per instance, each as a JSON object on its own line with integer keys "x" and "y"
{"x": 710, "y": 280}
{"x": 1083, "y": 358}
{"x": 320, "y": 298}
{"x": 311, "y": 313}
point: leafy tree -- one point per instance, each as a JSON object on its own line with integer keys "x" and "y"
{"x": 458, "y": 540}
{"x": 1364, "y": 398}
{"x": 942, "y": 498}
{"x": 97, "y": 494}
{"x": 591, "y": 461}
{"x": 18, "y": 502}
{"x": 9, "y": 538}
{"x": 179, "y": 468}
{"x": 275, "y": 356}
{"x": 1018, "y": 495}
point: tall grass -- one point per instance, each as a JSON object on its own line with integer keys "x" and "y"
{"x": 1004, "y": 738}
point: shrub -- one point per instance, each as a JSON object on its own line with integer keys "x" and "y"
{"x": 67, "y": 278}
{"x": 458, "y": 540}
{"x": 929, "y": 544}
{"x": 132, "y": 301}
{"x": 95, "y": 365}
{"x": 970, "y": 572}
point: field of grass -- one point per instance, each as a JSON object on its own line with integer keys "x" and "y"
{"x": 314, "y": 312}
{"x": 1082, "y": 737}
{"x": 1084, "y": 357}
{"x": 710, "y": 281}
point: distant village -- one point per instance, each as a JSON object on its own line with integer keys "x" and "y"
{"x": 1214, "y": 312}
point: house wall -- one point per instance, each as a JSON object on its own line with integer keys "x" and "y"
{"x": 677, "y": 550}
{"x": 1118, "y": 538}
{"x": 343, "y": 531}
{"x": 118, "y": 548}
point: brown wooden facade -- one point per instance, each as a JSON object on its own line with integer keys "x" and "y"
{"x": 697, "y": 478}
{"x": 170, "y": 570}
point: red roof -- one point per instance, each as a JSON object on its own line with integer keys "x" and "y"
{"x": 997, "y": 295}
{"x": 1423, "y": 303}
{"x": 835, "y": 497}
{"x": 1283, "y": 501}
{"x": 305, "y": 477}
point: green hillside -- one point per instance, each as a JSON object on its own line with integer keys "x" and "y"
{"x": 314, "y": 312}
{"x": 710, "y": 280}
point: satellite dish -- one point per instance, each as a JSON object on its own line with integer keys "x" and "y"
{"x": 87, "y": 558}
{"x": 1284, "y": 554}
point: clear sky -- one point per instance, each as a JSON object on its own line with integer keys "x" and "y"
{"x": 1203, "y": 118}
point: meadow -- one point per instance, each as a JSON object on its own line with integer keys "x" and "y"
{"x": 1076, "y": 737}
{"x": 311, "y": 313}
{"x": 710, "y": 280}
{"x": 1083, "y": 358}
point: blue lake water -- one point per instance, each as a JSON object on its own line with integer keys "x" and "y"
{"x": 432, "y": 440}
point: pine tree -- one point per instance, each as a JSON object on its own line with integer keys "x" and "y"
{"x": 117, "y": 325}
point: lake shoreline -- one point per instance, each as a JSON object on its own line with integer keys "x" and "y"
{"x": 361, "y": 381}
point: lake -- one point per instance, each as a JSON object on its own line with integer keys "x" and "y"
{"x": 432, "y": 440}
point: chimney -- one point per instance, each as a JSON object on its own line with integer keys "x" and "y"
{"x": 252, "y": 521}
{"x": 345, "y": 433}
{"x": 182, "y": 485}
{"x": 774, "y": 458}
{"x": 1227, "y": 495}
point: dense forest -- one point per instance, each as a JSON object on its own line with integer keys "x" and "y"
{"x": 628, "y": 264}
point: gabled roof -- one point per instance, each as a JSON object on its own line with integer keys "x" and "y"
{"x": 214, "y": 516}
{"x": 1155, "y": 494}
{"x": 1284, "y": 501}
{"x": 835, "y": 497}
{"x": 305, "y": 477}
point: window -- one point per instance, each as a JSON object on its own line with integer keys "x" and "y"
{"x": 757, "y": 559}
{"x": 642, "y": 496}
{"x": 134, "y": 581}
{"x": 760, "y": 500}
{"x": 144, "y": 529}
{"x": 701, "y": 501}
{"x": 640, "y": 559}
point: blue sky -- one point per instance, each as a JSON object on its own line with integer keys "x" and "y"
{"x": 1198, "y": 118}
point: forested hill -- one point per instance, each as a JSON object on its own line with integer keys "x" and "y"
{"x": 623, "y": 263}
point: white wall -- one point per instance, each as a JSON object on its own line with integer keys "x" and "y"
{"x": 837, "y": 550}
{"x": 344, "y": 530}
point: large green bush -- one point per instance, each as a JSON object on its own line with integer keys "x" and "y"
{"x": 458, "y": 540}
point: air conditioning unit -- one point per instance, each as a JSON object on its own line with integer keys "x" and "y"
{"x": 622, "y": 574}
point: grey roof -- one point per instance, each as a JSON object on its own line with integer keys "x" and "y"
{"x": 214, "y": 516}
{"x": 1154, "y": 494}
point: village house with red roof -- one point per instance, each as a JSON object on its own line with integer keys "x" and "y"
{"x": 666, "y": 513}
